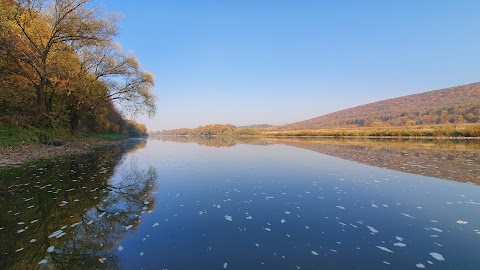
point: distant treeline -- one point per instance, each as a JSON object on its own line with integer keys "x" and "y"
{"x": 448, "y": 130}
{"x": 60, "y": 68}
{"x": 209, "y": 130}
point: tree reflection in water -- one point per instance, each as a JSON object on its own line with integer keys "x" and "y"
{"x": 69, "y": 213}
{"x": 455, "y": 160}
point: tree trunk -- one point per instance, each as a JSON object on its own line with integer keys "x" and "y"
{"x": 41, "y": 89}
{"x": 74, "y": 120}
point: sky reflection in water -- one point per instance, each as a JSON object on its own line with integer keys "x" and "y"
{"x": 261, "y": 205}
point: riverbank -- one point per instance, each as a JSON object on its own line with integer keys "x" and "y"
{"x": 448, "y": 131}
{"x": 20, "y": 154}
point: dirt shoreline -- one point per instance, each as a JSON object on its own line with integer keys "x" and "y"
{"x": 18, "y": 155}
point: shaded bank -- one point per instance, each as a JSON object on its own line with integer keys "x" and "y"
{"x": 68, "y": 213}
{"x": 445, "y": 159}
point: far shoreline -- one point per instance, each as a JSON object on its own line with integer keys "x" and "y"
{"x": 323, "y": 136}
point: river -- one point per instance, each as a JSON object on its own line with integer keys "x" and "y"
{"x": 249, "y": 203}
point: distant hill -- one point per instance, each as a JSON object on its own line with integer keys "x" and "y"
{"x": 460, "y": 104}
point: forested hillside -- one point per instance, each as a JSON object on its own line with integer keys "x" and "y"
{"x": 453, "y": 105}
{"x": 61, "y": 68}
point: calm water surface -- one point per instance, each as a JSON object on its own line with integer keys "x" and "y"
{"x": 250, "y": 204}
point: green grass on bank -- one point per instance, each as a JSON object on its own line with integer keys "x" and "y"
{"x": 13, "y": 136}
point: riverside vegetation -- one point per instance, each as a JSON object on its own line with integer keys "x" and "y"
{"x": 448, "y": 130}
{"x": 62, "y": 75}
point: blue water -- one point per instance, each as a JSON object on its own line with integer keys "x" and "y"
{"x": 174, "y": 205}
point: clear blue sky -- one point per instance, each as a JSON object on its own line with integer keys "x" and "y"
{"x": 281, "y": 61}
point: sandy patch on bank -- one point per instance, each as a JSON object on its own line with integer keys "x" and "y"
{"x": 15, "y": 156}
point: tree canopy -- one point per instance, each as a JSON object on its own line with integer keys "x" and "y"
{"x": 60, "y": 67}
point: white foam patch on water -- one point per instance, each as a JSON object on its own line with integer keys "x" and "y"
{"x": 283, "y": 220}
{"x": 340, "y": 207}
{"x": 461, "y": 222}
{"x": 373, "y": 230}
{"x": 257, "y": 245}
{"x": 374, "y": 205}
{"x": 120, "y": 248}
{"x": 141, "y": 253}
{"x": 399, "y": 244}
{"x": 229, "y": 218}
{"x": 399, "y": 238}
{"x": 437, "y": 256}
{"x": 436, "y": 229}
{"x": 268, "y": 229}
{"x": 419, "y": 265}
{"x": 55, "y": 233}
{"x": 249, "y": 217}
{"x": 407, "y": 215}
{"x": 75, "y": 224}
{"x": 155, "y": 225}
{"x": 387, "y": 263}
{"x": 287, "y": 212}
{"x": 314, "y": 253}
{"x": 225, "y": 265}
{"x": 384, "y": 249}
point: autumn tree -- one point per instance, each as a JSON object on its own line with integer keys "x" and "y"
{"x": 45, "y": 27}
{"x": 60, "y": 64}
